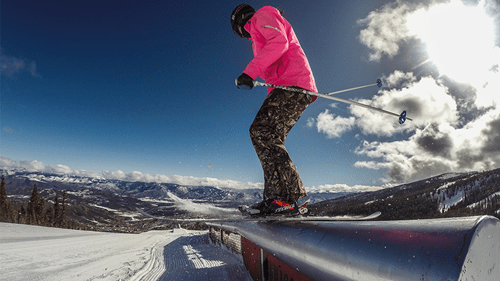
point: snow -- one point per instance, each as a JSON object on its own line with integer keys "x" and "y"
{"x": 446, "y": 185}
{"x": 202, "y": 208}
{"x": 449, "y": 202}
{"x": 42, "y": 253}
{"x": 190, "y": 206}
{"x": 449, "y": 176}
{"x": 132, "y": 216}
{"x": 484, "y": 200}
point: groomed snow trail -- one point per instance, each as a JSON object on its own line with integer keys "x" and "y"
{"x": 41, "y": 253}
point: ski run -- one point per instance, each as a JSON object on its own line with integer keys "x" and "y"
{"x": 42, "y": 253}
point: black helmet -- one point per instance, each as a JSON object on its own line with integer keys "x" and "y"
{"x": 239, "y": 17}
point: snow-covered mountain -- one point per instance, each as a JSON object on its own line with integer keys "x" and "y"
{"x": 96, "y": 200}
{"x": 148, "y": 189}
{"x": 451, "y": 194}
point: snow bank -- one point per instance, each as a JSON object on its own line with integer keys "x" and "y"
{"x": 41, "y": 253}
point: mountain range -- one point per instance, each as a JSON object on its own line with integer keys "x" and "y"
{"x": 446, "y": 195}
{"x": 99, "y": 203}
{"x": 112, "y": 205}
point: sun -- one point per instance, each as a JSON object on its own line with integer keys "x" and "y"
{"x": 459, "y": 39}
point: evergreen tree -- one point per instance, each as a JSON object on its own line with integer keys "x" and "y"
{"x": 64, "y": 218}
{"x": 36, "y": 207}
{"x": 22, "y": 215}
{"x": 49, "y": 217}
{"x": 30, "y": 211}
{"x": 57, "y": 212}
{"x": 4, "y": 209}
{"x": 40, "y": 211}
{"x": 60, "y": 218}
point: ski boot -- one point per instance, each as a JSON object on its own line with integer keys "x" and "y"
{"x": 275, "y": 207}
{"x": 303, "y": 205}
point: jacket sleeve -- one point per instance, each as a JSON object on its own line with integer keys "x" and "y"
{"x": 272, "y": 30}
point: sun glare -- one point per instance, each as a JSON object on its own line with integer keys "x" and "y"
{"x": 459, "y": 39}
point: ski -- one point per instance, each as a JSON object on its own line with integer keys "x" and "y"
{"x": 278, "y": 218}
{"x": 402, "y": 117}
{"x": 311, "y": 218}
{"x": 335, "y": 218}
{"x": 302, "y": 208}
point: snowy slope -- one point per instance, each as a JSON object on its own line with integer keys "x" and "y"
{"x": 40, "y": 253}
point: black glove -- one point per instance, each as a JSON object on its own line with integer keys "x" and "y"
{"x": 244, "y": 82}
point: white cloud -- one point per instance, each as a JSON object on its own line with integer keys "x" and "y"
{"x": 332, "y": 126}
{"x": 30, "y": 166}
{"x": 8, "y": 130}
{"x": 425, "y": 101}
{"x": 488, "y": 92}
{"x": 117, "y": 175}
{"x": 436, "y": 149}
{"x": 135, "y": 176}
{"x": 12, "y": 66}
{"x": 456, "y": 123}
{"x": 341, "y": 188}
{"x": 399, "y": 79}
{"x": 405, "y": 160}
{"x": 60, "y": 169}
{"x": 440, "y": 138}
{"x": 458, "y": 38}
{"x": 310, "y": 122}
{"x": 386, "y": 27}
{"x": 36, "y": 166}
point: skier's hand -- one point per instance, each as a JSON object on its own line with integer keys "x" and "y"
{"x": 244, "y": 82}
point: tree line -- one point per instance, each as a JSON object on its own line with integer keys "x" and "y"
{"x": 36, "y": 212}
{"x": 479, "y": 195}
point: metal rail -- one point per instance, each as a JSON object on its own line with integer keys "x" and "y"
{"x": 438, "y": 249}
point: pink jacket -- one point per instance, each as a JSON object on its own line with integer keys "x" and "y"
{"x": 278, "y": 56}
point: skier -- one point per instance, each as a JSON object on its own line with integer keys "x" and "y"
{"x": 280, "y": 60}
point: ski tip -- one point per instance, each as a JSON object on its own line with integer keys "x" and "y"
{"x": 374, "y": 215}
{"x": 379, "y": 83}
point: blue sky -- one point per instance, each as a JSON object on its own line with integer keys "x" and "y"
{"x": 148, "y": 86}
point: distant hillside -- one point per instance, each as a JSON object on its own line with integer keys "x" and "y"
{"x": 110, "y": 205}
{"x": 96, "y": 203}
{"x": 447, "y": 195}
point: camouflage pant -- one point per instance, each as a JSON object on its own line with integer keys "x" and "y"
{"x": 279, "y": 112}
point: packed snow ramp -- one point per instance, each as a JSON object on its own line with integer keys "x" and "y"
{"x": 464, "y": 249}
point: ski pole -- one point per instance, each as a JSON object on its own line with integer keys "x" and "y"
{"x": 402, "y": 116}
{"x": 379, "y": 84}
